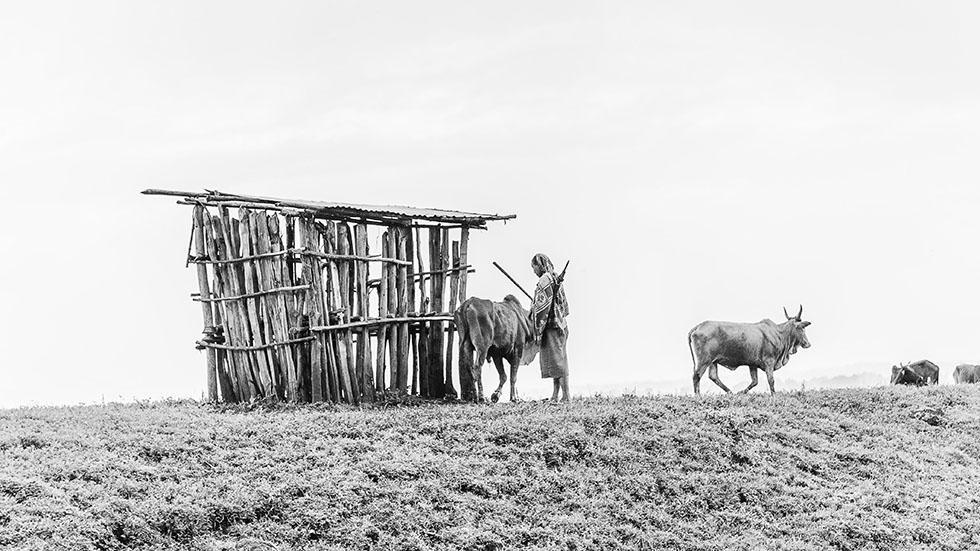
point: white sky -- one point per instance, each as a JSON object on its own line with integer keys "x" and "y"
{"x": 695, "y": 160}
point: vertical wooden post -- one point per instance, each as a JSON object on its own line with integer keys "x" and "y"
{"x": 453, "y": 293}
{"x": 421, "y": 337}
{"x": 346, "y": 283}
{"x": 392, "y": 270}
{"x": 437, "y": 388}
{"x": 314, "y": 304}
{"x": 292, "y": 304}
{"x": 202, "y": 282}
{"x": 402, "y": 301}
{"x": 364, "y": 362}
{"x": 382, "y": 338}
{"x": 466, "y": 384}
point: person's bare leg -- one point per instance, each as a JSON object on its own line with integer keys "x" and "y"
{"x": 557, "y": 387}
{"x": 564, "y": 388}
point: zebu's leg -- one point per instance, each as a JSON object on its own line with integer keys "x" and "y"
{"x": 499, "y": 363}
{"x": 772, "y": 381}
{"x": 754, "y": 373}
{"x": 713, "y": 375}
{"x": 466, "y": 362}
{"x": 513, "y": 379}
{"x": 698, "y": 373}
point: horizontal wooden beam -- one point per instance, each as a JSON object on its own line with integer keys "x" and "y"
{"x": 253, "y": 295}
{"x": 381, "y": 321}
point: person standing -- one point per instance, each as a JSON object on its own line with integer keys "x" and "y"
{"x": 548, "y": 313}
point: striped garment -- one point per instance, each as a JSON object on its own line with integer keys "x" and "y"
{"x": 542, "y": 305}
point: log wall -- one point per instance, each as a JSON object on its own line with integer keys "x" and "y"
{"x": 299, "y": 309}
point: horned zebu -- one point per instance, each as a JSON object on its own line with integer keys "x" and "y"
{"x": 495, "y": 331}
{"x": 922, "y": 372}
{"x": 764, "y": 345}
{"x": 966, "y": 373}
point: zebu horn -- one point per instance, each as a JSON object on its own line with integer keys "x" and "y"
{"x": 800, "y": 315}
{"x": 785, "y": 313}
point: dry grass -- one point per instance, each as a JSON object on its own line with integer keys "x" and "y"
{"x": 886, "y": 468}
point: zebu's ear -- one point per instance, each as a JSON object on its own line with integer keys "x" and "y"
{"x": 804, "y": 325}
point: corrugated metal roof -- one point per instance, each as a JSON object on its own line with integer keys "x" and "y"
{"x": 324, "y": 208}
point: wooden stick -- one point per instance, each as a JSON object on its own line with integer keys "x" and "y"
{"x": 346, "y": 285}
{"x": 422, "y": 337}
{"x": 437, "y": 388}
{"x": 465, "y": 375}
{"x": 380, "y": 322}
{"x": 365, "y": 364}
{"x": 444, "y": 250}
{"x": 312, "y": 273}
{"x": 254, "y": 348}
{"x": 453, "y": 293}
{"x": 207, "y": 314}
{"x": 392, "y": 310}
{"x": 402, "y": 287}
{"x": 382, "y": 338}
{"x": 514, "y": 281}
{"x": 254, "y": 294}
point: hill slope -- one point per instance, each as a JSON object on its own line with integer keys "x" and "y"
{"x": 841, "y": 469}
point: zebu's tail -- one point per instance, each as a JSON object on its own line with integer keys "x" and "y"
{"x": 690, "y": 346}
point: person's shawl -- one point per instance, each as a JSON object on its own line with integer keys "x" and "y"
{"x": 541, "y": 309}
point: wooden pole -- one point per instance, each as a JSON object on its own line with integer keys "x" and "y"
{"x": 466, "y": 384}
{"x": 364, "y": 362}
{"x": 393, "y": 352}
{"x": 345, "y": 283}
{"x": 202, "y": 282}
{"x": 402, "y": 286}
{"x": 312, "y": 273}
{"x": 444, "y": 247}
{"x": 421, "y": 339}
{"x": 453, "y": 293}
{"x": 437, "y": 388}
{"x": 382, "y": 339}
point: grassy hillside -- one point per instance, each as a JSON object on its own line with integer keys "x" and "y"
{"x": 885, "y": 468}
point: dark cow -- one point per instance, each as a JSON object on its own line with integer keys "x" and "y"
{"x": 764, "y": 345}
{"x": 495, "y": 331}
{"x": 922, "y": 372}
{"x": 966, "y": 373}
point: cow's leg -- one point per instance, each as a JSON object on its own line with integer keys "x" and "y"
{"x": 713, "y": 375}
{"x": 499, "y": 363}
{"x": 754, "y": 373}
{"x": 771, "y": 379}
{"x": 466, "y": 362}
{"x": 698, "y": 373}
{"x": 514, "y": 364}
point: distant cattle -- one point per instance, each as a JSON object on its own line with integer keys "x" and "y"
{"x": 922, "y": 372}
{"x": 966, "y": 373}
{"x": 764, "y": 345}
{"x": 494, "y": 331}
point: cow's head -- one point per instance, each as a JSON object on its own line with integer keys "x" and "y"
{"x": 531, "y": 349}
{"x": 799, "y": 329}
{"x": 525, "y": 330}
{"x": 896, "y": 373}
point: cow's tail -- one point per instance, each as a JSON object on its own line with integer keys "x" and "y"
{"x": 690, "y": 346}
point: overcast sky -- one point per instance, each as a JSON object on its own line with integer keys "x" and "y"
{"x": 695, "y": 160}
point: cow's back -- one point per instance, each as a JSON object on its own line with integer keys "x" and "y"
{"x": 730, "y": 344}
{"x": 927, "y": 370}
{"x": 966, "y": 373}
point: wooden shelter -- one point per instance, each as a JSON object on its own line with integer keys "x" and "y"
{"x": 297, "y": 307}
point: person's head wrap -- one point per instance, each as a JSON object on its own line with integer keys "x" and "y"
{"x": 542, "y": 262}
